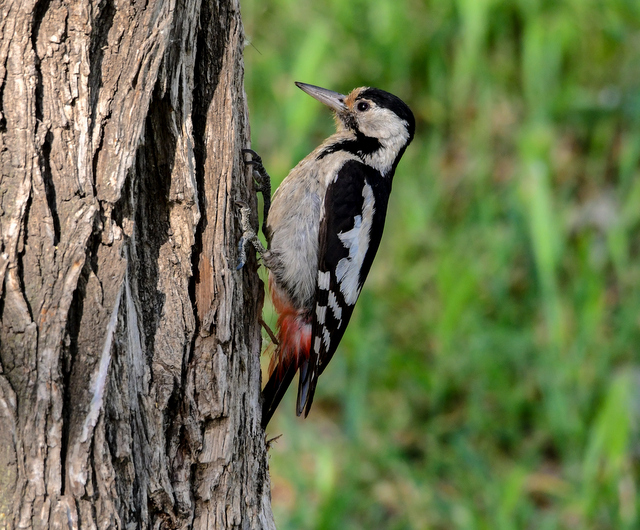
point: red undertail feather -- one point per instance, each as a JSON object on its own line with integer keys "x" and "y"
{"x": 294, "y": 333}
{"x": 294, "y": 337}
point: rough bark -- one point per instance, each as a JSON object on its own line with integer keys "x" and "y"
{"x": 129, "y": 345}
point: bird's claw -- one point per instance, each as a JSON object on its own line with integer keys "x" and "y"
{"x": 262, "y": 182}
{"x": 248, "y": 235}
{"x": 256, "y": 162}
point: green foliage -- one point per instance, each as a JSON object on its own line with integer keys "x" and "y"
{"x": 490, "y": 376}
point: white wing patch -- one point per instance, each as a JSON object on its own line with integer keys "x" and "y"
{"x": 321, "y": 313}
{"x": 327, "y": 338}
{"x": 323, "y": 280}
{"x": 356, "y": 241}
{"x": 335, "y": 308}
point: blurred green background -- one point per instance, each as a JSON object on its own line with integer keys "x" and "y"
{"x": 490, "y": 376}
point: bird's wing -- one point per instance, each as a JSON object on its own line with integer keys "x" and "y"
{"x": 351, "y": 227}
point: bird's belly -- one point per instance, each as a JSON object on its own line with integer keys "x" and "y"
{"x": 294, "y": 246}
{"x": 294, "y": 220}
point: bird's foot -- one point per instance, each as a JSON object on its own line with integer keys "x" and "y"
{"x": 248, "y": 235}
{"x": 262, "y": 182}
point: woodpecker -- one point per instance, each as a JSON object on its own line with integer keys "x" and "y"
{"x": 323, "y": 228}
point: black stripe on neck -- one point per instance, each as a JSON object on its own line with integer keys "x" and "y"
{"x": 361, "y": 146}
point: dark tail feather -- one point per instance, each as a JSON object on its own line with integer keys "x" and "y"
{"x": 306, "y": 387}
{"x": 303, "y": 387}
{"x": 275, "y": 390}
{"x": 311, "y": 392}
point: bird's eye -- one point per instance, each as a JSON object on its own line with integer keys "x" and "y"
{"x": 362, "y": 106}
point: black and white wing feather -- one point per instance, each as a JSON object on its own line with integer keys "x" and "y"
{"x": 354, "y": 211}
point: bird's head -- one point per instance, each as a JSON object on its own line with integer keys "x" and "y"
{"x": 368, "y": 112}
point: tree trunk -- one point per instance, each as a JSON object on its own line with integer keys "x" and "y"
{"x": 129, "y": 345}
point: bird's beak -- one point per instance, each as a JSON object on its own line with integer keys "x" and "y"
{"x": 331, "y": 99}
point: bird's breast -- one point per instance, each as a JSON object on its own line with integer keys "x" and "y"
{"x": 294, "y": 219}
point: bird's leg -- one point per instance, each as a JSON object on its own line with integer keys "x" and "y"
{"x": 269, "y": 331}
{"x": 248, "y": 235}
{"x": 262, "y": 183}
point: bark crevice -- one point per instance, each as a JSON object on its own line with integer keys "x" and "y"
{"x": 20, "y": 256}
{"x": 211, "y": 47}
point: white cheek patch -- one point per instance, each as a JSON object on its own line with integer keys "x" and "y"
{"x": 356, "y": 241}
{"x": 396, "y": 136}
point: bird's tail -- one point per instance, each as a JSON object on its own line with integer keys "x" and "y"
{"x": 294, "y": 344}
